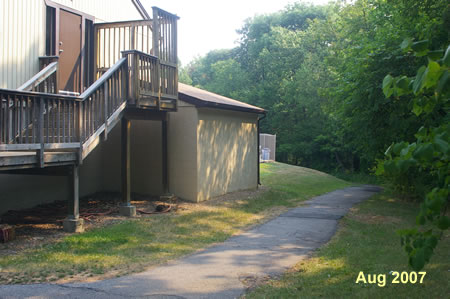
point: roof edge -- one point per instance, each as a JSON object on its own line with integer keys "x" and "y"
{"x": 207, "y": 104}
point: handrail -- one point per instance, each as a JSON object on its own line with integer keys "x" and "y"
{"x": 140, "y": 53}
{"x": 40, "y": 77}
{"x": 102, "y": 79}
{"x": 37, "y": 94}
{"x": 124, "y": 23}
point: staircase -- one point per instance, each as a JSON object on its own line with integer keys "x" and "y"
{"x": 41, "y": 130}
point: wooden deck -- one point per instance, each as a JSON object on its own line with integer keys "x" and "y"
{"x": 23, "y": 160}
{"x": 45, "y": 132}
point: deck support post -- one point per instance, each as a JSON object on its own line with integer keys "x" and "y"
{"x": 165, "y": 165}
{"x": 73, "y": 223}
{"x": 125, "y": 207}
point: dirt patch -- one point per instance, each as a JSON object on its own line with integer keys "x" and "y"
{"x": 374, "y": 219}
{"x": 42, "y": 224}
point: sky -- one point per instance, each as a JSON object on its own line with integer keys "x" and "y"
{"x": 206, "y": 25}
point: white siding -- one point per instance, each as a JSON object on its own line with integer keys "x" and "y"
{"x": 22, "y": 36}
{"x": 22, "y": 32}
{"x": 105, "y": 10}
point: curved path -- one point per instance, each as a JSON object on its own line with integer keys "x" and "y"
{"x": 227, "y": 269}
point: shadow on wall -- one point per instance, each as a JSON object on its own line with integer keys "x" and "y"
{"x": 146, "y": 158}
{"x": 227, "y": 153}
{"x": 25, "y": 191}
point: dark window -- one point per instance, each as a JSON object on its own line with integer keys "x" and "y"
{"x": 50, "y": 39}
{"x": 89, "y": 53}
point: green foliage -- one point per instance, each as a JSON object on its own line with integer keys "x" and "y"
{"x": 429, "y": 155}
{"x": 317, "y": 71}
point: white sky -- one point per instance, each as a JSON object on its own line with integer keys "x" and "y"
{"x": 206, "y": 25}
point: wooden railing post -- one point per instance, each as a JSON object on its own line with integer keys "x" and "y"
{"x": 133, "y": 38}
{"x": 159, "y": 83}
{"x": 80, "y": 131}
{"x": 105, "y": 112}
{"x": 136, "y": 78}
{"x": 156, "y": 34}
{"x": 40, "y": 152}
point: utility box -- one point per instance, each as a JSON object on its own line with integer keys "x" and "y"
{"x": 267, "y": 146}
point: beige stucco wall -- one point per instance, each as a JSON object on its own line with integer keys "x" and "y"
{"x": 182, "y": 151}
{"x": 22, "y": 32}
{"x": 226, "y": 152}
{"x": 146, "y": 158}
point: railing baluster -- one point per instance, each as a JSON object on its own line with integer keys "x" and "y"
{"x": 40, "y": 152}
{"x": 8, "y": 120}
{"x": 63, "y": 108}
{"x": 69, "y": 123}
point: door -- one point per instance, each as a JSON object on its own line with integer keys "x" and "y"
{"x": 70, "y": 33}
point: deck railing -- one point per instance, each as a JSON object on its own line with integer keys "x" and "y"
{"x": 136, "y": 63}
{"x": 42, "y": 121}
{"x": 152, "y": 83}
{"x": 31, "y": 120}
{"x": 153, "y": 45}
{"x": 46, "y": 79}
{"x": 113, "y": 38}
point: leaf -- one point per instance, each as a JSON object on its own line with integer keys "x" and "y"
{"x": 387, "y": 83}
{"x": 417, "y": 109}
{"x": 406, "y": 44}
{"x": 433, "y": 73}
{"x": 431, "y": 242}
{"x": 405, "y": 151}
{"x": 404, "y": 165}
{"x": 435, "y": 55}
{"x": 443, "y": 222}
{"x": 446, "y": 59}
{"x": 441, "y": 144}
{"x": 403, "y": 82}
{"x": 443, "y": 82}
{"x": 380, "y": 169}
{"x": 420, "y": 48}
{"x": 424, "y": 151}
{"x": 402, "y": 85}
{"x": 419, "y": 80}
{"x": 396, "y": 149}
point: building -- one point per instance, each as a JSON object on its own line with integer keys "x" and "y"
{"x": 72, "y": 71}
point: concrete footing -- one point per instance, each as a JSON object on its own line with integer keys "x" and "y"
{"x": 71, "y": 225}
{"x": 128, "y": 211}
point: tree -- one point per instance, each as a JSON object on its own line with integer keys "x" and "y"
{"x": 428, "y": 156}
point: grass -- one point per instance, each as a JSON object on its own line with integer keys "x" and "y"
{"x": 366, "y": 241}
{"x": 358, "y": 177}
{"x": 136, "y": 244}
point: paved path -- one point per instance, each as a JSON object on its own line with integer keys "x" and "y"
{"x": 224, "y": 270}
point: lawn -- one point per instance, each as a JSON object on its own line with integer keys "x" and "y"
{"x": 366, "y": 241}
{"x": 135, "y": 244}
